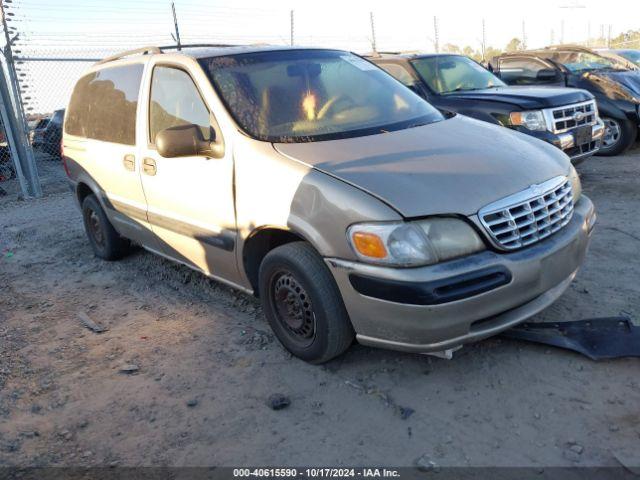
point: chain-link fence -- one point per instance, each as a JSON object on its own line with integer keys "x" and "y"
{"x": 53, "y": 43}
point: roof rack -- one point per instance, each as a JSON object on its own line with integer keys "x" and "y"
{"x": 128, "y": 53}
{"x": 154, "y": 49}
{"x": 197, "y": 45}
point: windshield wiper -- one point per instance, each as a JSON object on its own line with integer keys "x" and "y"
{"x": 460, "y": 89}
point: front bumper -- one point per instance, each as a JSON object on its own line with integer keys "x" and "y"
{"x": 567, "y": 141}
{"x": 537, "y": 276}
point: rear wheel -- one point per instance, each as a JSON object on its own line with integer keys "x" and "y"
{"x": 303, "y": 304}
{"x": 618, "y": 136}
{"x": 105, "y": 241}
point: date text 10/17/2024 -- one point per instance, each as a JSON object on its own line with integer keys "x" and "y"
{"x": 316, "y": 473}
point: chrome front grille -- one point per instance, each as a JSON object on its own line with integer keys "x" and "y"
{"x": 529, "y": 216}
{"x": 563, "y": 119}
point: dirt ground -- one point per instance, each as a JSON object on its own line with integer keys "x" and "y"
{"x": 207, "y": 363}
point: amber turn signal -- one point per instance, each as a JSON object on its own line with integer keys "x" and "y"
{"x": 369, "y": 245}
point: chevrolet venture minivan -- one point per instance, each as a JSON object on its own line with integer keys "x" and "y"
{"x": 316, "y": 181}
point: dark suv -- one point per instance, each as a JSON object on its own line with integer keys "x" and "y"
{"x": 47, "y": 134}
{"x": 615, "y": 87}
{"x": 566, "y": 118}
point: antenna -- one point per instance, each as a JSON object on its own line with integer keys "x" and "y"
{"x": 436, "y": 35}
{"x": 176, "y": 38}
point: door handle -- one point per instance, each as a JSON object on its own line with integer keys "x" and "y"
{"x": 149, "y": 166}
{"x": 129, "y": 162}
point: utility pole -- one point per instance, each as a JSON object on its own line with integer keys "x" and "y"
{"x": 16, "y": 121}
{"x": 176, "y": 38}
{"x": 292, "y": 28}
{"x": 436, "y": 34}
{"x": 524, "y": 36}
{"x": 552, "y": 37}
{"x": 562, "y": 32}
{"x": 609, "y": 37}
{"x": 484, "y": 41}
{"x": 373, "y": 33}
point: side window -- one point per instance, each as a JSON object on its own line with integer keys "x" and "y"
{"x": 399, "y": 72}
{"x": 175, "y": 101}
{"x": 103, "y": 105}
{"x": 521, "y": 71}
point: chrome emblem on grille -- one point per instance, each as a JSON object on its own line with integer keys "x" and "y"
{"x": 578, "y": 116}
{"x": 536, "y": 189}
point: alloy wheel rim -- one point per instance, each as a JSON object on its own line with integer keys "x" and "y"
{"x": 611, "y": 133}
{"x": 293, "y": 309}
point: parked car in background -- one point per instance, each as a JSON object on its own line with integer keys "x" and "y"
{"x": 316, "y": 181}
{"x": 47, "y": 134}
{"x": 632, "y": 57}
{"x": 7, "y": 170}
{"x": 566, "y": 118}
{"x": 615, "y": 87}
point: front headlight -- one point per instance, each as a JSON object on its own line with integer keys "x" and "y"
{"x": 576, "y": 186}
{"x": 532, "y": 119}
{"x": 423, "y": 242}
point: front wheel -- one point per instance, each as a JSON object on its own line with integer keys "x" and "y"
{"x": 618, "y": 136}
{"x": 302, "y": 303}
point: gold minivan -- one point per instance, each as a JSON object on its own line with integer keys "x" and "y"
{"x": 316, "y": 181}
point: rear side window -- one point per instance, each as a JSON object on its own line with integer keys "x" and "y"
{"x": 521, "y": 71}
{"x": 103, "y": 105}
{"x": 175, "y": 101}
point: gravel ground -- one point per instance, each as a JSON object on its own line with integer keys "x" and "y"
{"x": 183, "y": 374}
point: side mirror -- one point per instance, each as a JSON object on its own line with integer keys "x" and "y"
{"x": 187, "y": 141}
{"x": 547, "y": 75}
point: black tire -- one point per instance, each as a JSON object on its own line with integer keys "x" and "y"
{"x": 105, "y": 241}
{"x": 618, "y": 136}
{"x": 315, "y": 326}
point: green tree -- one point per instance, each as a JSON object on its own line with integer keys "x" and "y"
{"x": 514, "y": 45}
{"x": 450, "y": 48}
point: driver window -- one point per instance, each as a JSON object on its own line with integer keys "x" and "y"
{"x": 175, "y": 101}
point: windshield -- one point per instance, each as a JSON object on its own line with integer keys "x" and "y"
{"x": 581, "y": 61}
{"x": 631, "y": 55}
{"x": 311, "y": 95}
{"x": 454, "y": 73}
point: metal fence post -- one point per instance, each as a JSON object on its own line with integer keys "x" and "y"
{"x": 21, "y": 152}
{"x": 24, "y": 159}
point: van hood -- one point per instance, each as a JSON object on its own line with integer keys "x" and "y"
{"x": 526, "y": 98}
{"x": 454, "y": 166}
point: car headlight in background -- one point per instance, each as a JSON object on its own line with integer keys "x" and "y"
{"x": 532, "y": 119}
{"x": 412, "y": 244}
{"x": 576, "y": 185}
